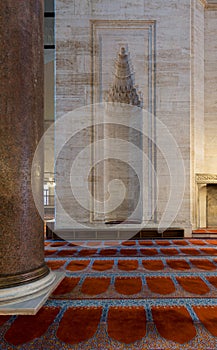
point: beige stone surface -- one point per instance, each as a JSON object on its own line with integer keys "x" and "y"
{"x": 210, "y": 91}
{"x": 168, "y": 43}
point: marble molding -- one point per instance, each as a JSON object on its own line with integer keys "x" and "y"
{"x": 27, "y": 299}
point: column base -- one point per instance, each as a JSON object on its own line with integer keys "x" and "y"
{"x": 29, "y": 298}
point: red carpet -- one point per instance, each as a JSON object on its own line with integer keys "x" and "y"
{"x": 153, "y": 265}
{"x": 55, "y": 265}
{"x": 190, "y": 251}
{"x": 95, "y": 286}
{"x": 129, "y": 243}
{"x": 149, "y": 251}
{"x": 76, "y": 244}
{"x": 164, "y": 243}
{"x": 78, "y": 324}
{"x": 160, "y": 285}
{"x": 78, "y": 265}
{"x": 203, "y": 264}
{"x": 174, "y": 323}
{"x": 193, "y": 285}
{"x": 50, "y": 252}
{"x": 128, "y": 265}
{"x": 178, "y": 264}
{"x": 58, "y": 244}
{"x": 197, "y": 242}
{"x": 126, "y": 325}
{"x": 3, "y": 319}
{"x": 169, "y": 251}
{"x": 66, "y": 286}
{"x": 103, "y": 265}
{"x": 87, "y": 252}
{"x": 128, "y": 252}
{"x": 67, "y": 252}
{"x": 180, "y": 242}
{"x": 128, "y": 285}
{"x": 147, "y": 243}
{"x": 208, "y": 316}
{"x": 212, "y": 280}
{"x": 154, "y": 294}
{"x": 26, "y": 328}
{"x": 209, "y": 251}
{"x": 108, "y": 252}
{"x": 214, "y": 241}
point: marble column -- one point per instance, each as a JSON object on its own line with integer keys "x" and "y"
{"x": 21, "y": 112}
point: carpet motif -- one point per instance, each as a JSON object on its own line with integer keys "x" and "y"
{"x": 174, "y": 323}
{"x": 26, "y": 328}
{"x": 160, "y": 285}
{"x": 153, "y": 265}
{"x": 126, "y": 324}
{"x": 128, "y": 285}
{"x": 77, "y": 265}
{"x": 194, "y": 285}
{"x": 78, "y": 324}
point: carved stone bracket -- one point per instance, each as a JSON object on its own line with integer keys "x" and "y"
{"x": 209, "y": 4}
{"x": 206, "y": 178}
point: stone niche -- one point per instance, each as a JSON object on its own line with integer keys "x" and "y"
{"x": 118, "y": 64}
{"x": 115, "y": 83}
{"x": 121, "y": 187}
{"x": 206, "y": 200}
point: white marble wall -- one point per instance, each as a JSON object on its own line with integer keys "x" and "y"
{"x": 172, "y": 98}
{"x": 210, "y": 92}
{"x": 172, "y": 86}
{"x": 208, "y": 139}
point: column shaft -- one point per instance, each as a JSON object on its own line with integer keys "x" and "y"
{"x": 21, "y": 120}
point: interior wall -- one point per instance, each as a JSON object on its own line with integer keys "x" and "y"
{"x": 197, "y": 102}
{"x": 170, "y": 91}
{"x": 204, "y": 123}
{"x": 210, "y": 165}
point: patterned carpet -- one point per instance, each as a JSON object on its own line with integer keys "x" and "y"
{"x": 154, "y": 294}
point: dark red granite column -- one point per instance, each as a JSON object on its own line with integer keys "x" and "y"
{"x": 21, "y": 127}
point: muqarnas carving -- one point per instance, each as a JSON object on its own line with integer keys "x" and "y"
{"x": 123, "y": 89}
